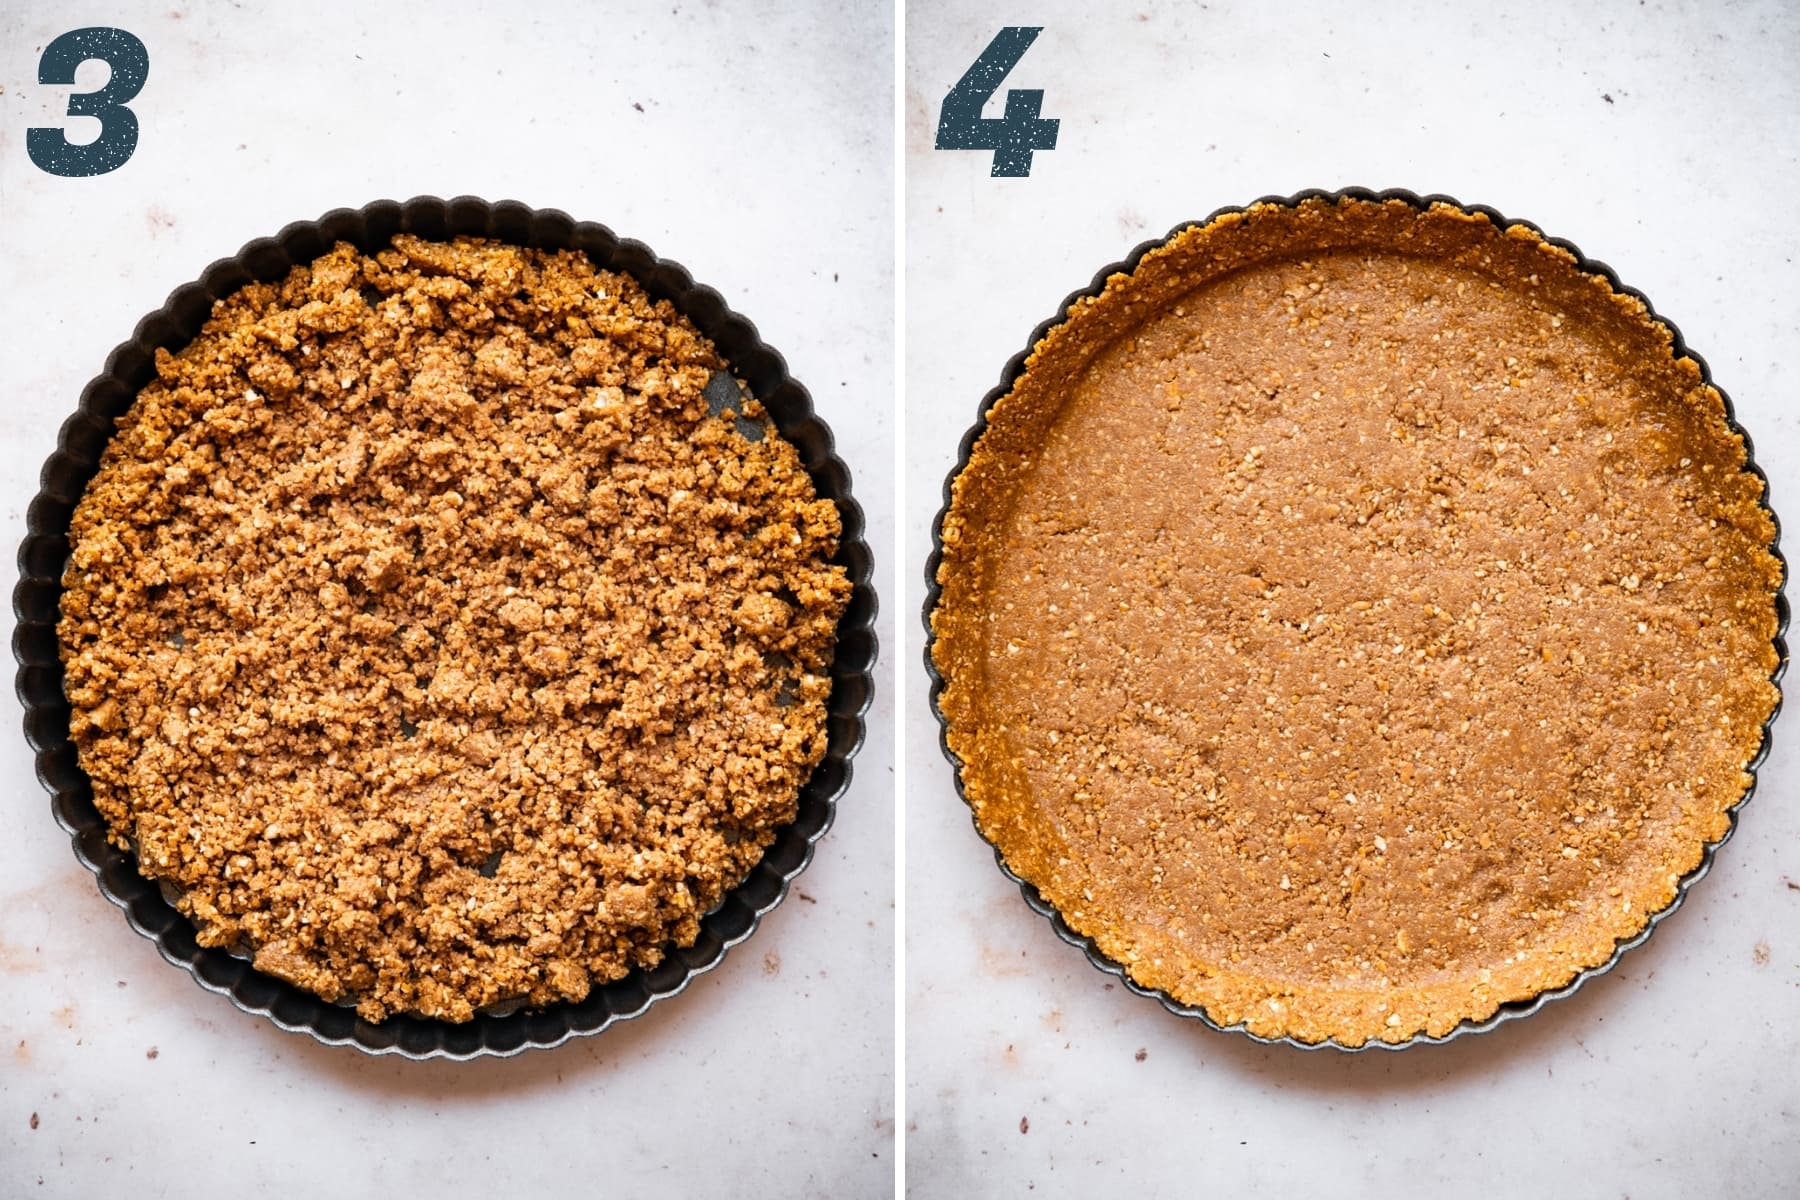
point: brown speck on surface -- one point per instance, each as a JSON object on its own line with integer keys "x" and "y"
{"x": 34, "y": 1120}
{"x": 1141, "y": 1055}
{"x": 1791, "y": 885}
{"x": 771, "y": 963}
{"x": 152, "y": 1052}
{"x": 1024, "y": 1124}
{"x": 1606, "y": 96}
{"x": 637, "y": 106}
{"x": 1759, "y": 953}
{"x": 1001, "y": 964}
{"x": 16, "y": 961}
{"x": 800, "y": 895}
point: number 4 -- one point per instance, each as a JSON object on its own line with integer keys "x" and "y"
{"x": 1012, "y": 137}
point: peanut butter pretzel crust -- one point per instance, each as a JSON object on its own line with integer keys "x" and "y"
{"x": 1355, "y": 619}
{"x": 432, "y": 635}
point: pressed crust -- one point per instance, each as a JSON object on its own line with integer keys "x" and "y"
{"x": 1356, "y": 618}
{"x": 448, "y": 628}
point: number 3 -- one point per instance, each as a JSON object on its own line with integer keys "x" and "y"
{"x": 50, "y": 148}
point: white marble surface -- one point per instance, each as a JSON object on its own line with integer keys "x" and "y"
{"x": 1660, "y": 137}
{"x": 750, "y": 141}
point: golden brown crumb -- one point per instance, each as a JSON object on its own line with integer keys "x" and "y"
{"x": 427, "y": 629}
{"x": 1356, "y": 619}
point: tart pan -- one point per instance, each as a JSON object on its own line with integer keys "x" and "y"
{"x": 44, "y": 552}
{"x": 933, "y": 591}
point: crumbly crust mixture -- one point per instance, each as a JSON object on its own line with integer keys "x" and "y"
{"x": 430, "y": 633}
{"x": 1356, "y": 619}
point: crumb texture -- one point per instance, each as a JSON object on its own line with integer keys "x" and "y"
{"x": 429, "y": 632}
{"x": 1357, "y": 619}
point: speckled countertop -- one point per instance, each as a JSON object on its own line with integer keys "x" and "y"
{"x": 118, "y": 1076}
{"x": 1660, "y": 138}
{"x": 752, "y": 144}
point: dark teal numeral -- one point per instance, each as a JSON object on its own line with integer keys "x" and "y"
{"x": 1012, "y": 137}
{"x": 51, "y": 148}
